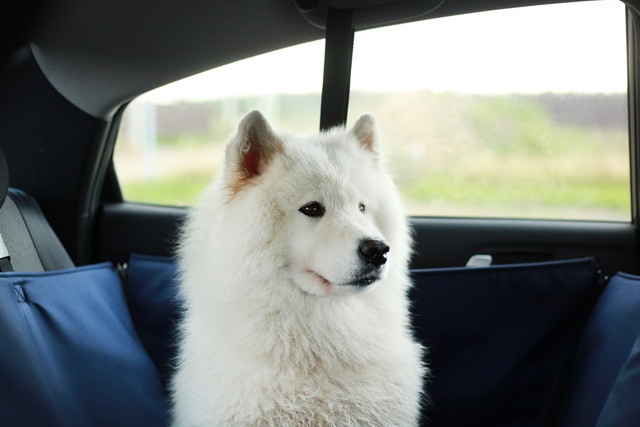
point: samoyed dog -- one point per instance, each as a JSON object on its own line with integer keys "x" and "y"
{"x": 294, "y": 275}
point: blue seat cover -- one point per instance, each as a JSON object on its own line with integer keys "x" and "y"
{"x": 605, "y": 347}
{"x": 155, "y": 308}
{"x": 621, "y": 407}
{"x": 499, "y": 338}
{"x": 69, "y": 354}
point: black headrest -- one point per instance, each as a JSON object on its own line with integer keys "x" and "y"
{"x": 4, "y": 177}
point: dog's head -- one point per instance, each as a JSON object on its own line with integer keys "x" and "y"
{"x": 323, "y": 206}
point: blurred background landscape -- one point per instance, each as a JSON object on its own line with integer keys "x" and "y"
{"x": 547, "y": 156}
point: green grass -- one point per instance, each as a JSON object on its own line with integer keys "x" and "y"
{"x": 179, "y": 191}
{"x": 604, "y": 201}
{"x": 531, "y": 196}
{"x": 535, "y": 190}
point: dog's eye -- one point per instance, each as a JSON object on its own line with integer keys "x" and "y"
{"x": 312, "y": 209}
{"x": 361, "y": 207}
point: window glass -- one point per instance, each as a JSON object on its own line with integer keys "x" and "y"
{"x": 511, "y": 113}
{"x": 171, "y": 140}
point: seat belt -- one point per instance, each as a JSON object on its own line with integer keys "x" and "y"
{"x": 5, "y": 259}
{"x": 338, "y": 52}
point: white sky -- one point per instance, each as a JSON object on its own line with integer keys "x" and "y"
{"x": 558, "y": 48}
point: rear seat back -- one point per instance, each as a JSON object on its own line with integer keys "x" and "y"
{"x": 621, "y": 407}
{"x": 606, "y": 355}
{"x": 28, "y": 237}
{"x": 70, "y": 355}
{"x": 499, "y": 338}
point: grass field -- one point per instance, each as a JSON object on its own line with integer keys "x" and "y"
{"x": 450, "y": 154}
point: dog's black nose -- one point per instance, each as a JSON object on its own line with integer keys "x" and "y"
{"x": 373, "y": 252}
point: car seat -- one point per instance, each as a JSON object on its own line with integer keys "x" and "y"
{"x": 70, "y": 353}
{"x": 28, "y": 238}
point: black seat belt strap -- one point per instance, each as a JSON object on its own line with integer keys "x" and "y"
{"x": 337, "y": 68}
{"x": 5, "y": 259}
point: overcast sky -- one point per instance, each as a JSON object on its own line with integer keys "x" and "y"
{"x": 558, "y": 48}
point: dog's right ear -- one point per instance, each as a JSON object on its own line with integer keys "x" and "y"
{"x": 365, "y": 131}
{"x": 251, "y": 149}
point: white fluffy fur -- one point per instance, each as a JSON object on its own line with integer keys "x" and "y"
{"x": 273, "y": 333}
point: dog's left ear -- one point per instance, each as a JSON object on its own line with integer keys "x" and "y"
{"x": 253, "y": 147}
{"x": 366, "y": 132}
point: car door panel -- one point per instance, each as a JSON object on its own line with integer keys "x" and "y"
{"x": 125, "y": 228}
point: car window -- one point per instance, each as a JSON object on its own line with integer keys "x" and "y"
{"x": 512, "y": 113}
{"x": 518, "y": 113}
{"x": 171, "y": 140}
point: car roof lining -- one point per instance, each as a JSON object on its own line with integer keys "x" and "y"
{"x": 100, "y": 54}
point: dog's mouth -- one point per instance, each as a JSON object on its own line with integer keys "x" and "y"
{"x": 358, "y": 282}
{"x": 364, "y": 281}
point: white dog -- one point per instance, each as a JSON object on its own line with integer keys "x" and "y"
{"x": 294, "y": 274}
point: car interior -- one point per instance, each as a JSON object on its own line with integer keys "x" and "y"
{"x": 527, "y": 321}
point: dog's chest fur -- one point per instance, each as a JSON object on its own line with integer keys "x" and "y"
{"x": 309, "y": 370}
